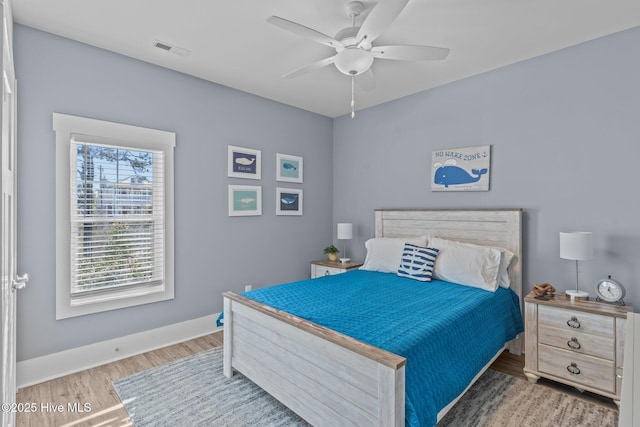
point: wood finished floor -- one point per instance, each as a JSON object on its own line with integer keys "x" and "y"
{"x": 93, "y": 386}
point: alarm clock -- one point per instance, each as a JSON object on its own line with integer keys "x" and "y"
{"x": 610, "y": 290}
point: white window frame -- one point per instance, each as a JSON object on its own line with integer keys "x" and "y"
{"x": 133, "y": 137}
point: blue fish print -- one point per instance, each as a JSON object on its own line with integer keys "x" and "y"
{"x": 289, "y": 166}
{"x": 455, "y": 175}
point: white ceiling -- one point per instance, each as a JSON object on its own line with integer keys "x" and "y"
{"x": 232, "y": 44}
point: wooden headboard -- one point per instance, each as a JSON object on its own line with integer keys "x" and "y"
{"x": 492, "y": 227}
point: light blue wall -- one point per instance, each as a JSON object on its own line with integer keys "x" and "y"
{"x": 563, "y": 128}
{"x": 565, "y": 135}
{"x": 214, "y": 253}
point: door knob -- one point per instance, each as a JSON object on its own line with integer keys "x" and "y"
{"x": 20, "y": 282}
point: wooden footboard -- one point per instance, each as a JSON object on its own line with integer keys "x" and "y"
{"x": 325, "y": 377}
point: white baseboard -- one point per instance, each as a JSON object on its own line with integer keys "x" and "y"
{"x": 55, "y": 365}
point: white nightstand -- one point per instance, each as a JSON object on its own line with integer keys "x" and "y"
{"x": 329, "y": 268}
{"x": 579, "y": 343}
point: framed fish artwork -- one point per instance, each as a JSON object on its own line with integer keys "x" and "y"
{"x": 244, "y": 163}
{"x": 288, "y": 201}
{"x": 289, "y": 168}
{"x": 461, "y": 169}
{"x": 245, "y": 200}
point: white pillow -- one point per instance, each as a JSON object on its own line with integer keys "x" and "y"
{"x": 505, "y": 262}
{"x": 466, "y": 264}
{"x": 384, "y": 253}
{"x": 503, "y": 275}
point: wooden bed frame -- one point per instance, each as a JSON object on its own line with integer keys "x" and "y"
{"x": 329, "y": 378}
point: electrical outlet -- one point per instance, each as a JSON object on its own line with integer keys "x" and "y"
{"x": 247, "y": 288}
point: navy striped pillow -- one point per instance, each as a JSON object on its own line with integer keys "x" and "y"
{"x": 417, "y": 262}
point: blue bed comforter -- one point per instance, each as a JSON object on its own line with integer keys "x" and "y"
{"x": 447, "y": 332}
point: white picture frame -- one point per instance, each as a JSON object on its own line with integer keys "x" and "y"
{"x": 245, "y": 200}
{"x": 289, "y": 201}
{"x": 289, "y": 168}
{"x": 244, "y": 162}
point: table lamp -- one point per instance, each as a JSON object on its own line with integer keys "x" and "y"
{"x": 576, "y": 246}
{"x": 345, "y": 232}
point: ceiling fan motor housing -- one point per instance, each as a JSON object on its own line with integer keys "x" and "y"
{"x": 353, "y": 61}
{"x": 354, "y": 58}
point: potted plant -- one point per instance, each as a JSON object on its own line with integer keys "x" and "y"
{"x": 332, "y": 252}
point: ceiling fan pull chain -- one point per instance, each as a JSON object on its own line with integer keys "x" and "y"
{"x": 353, "y": 95}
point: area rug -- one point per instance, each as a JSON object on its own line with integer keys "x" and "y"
{"x": 194, "y": 392}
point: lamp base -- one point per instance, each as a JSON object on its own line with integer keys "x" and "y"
{"x": 577, "y": 295}
{"x": 345, "y": 260}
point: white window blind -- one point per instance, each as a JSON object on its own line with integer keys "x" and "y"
{"x": 117, "y": 217}
{"x": 114, "y": 215}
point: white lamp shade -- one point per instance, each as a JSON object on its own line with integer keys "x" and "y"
{"x": 345, "y": 231}
{"x": 576, "y": 245}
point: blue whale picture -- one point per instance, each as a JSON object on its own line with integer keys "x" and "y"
{"x": 289, "y": 168}
{"x": 461, "y": 169}
{"x": 289, "y": 199}
{"x": 455, "y": 175}
{"x": 288, "y": 202}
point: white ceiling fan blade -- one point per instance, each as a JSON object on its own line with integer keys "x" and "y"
{"x": 379, "y": 19}
{"x": 303, "y": 31}
{"x": 366, "y": 80}
{"x": 311, "y": 67}
{"x": 410, "y": 53}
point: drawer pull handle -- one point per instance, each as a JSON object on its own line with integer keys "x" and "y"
{"x": 573, "y": 368}
{"x": 619, "y": 370}
{"x": 573, "y": 322}
{"x": 574, "y": 344}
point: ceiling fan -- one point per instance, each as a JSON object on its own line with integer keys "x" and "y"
{"x": 354, "y": 47}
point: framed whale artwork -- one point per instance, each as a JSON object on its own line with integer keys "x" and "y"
{"x": 288, "y": 201}
{"x": 244, "y": 163}
{"x": 461, "y": 169}
{"x": 289, "y": 168}
{"x": 245, "y": 200}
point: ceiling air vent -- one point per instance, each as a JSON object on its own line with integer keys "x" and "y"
{"x": 171, "y": 48}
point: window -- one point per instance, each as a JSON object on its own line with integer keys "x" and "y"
{"x": 114, "y": 215}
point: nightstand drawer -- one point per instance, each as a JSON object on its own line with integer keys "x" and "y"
{"x": 571, "y": 320}
{"x": 588, "y": 370}
{"x": 577, "y": 342}
{"x": 329, "y": 268}
{"x": 321, "y": 270}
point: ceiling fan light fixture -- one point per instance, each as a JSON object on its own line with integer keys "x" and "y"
{"x": 354, "y": 47}
{"x": 353, "y": 61}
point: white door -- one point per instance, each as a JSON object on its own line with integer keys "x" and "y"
{"x": 10, "y": 282}
{"x": 630, "y": 402}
